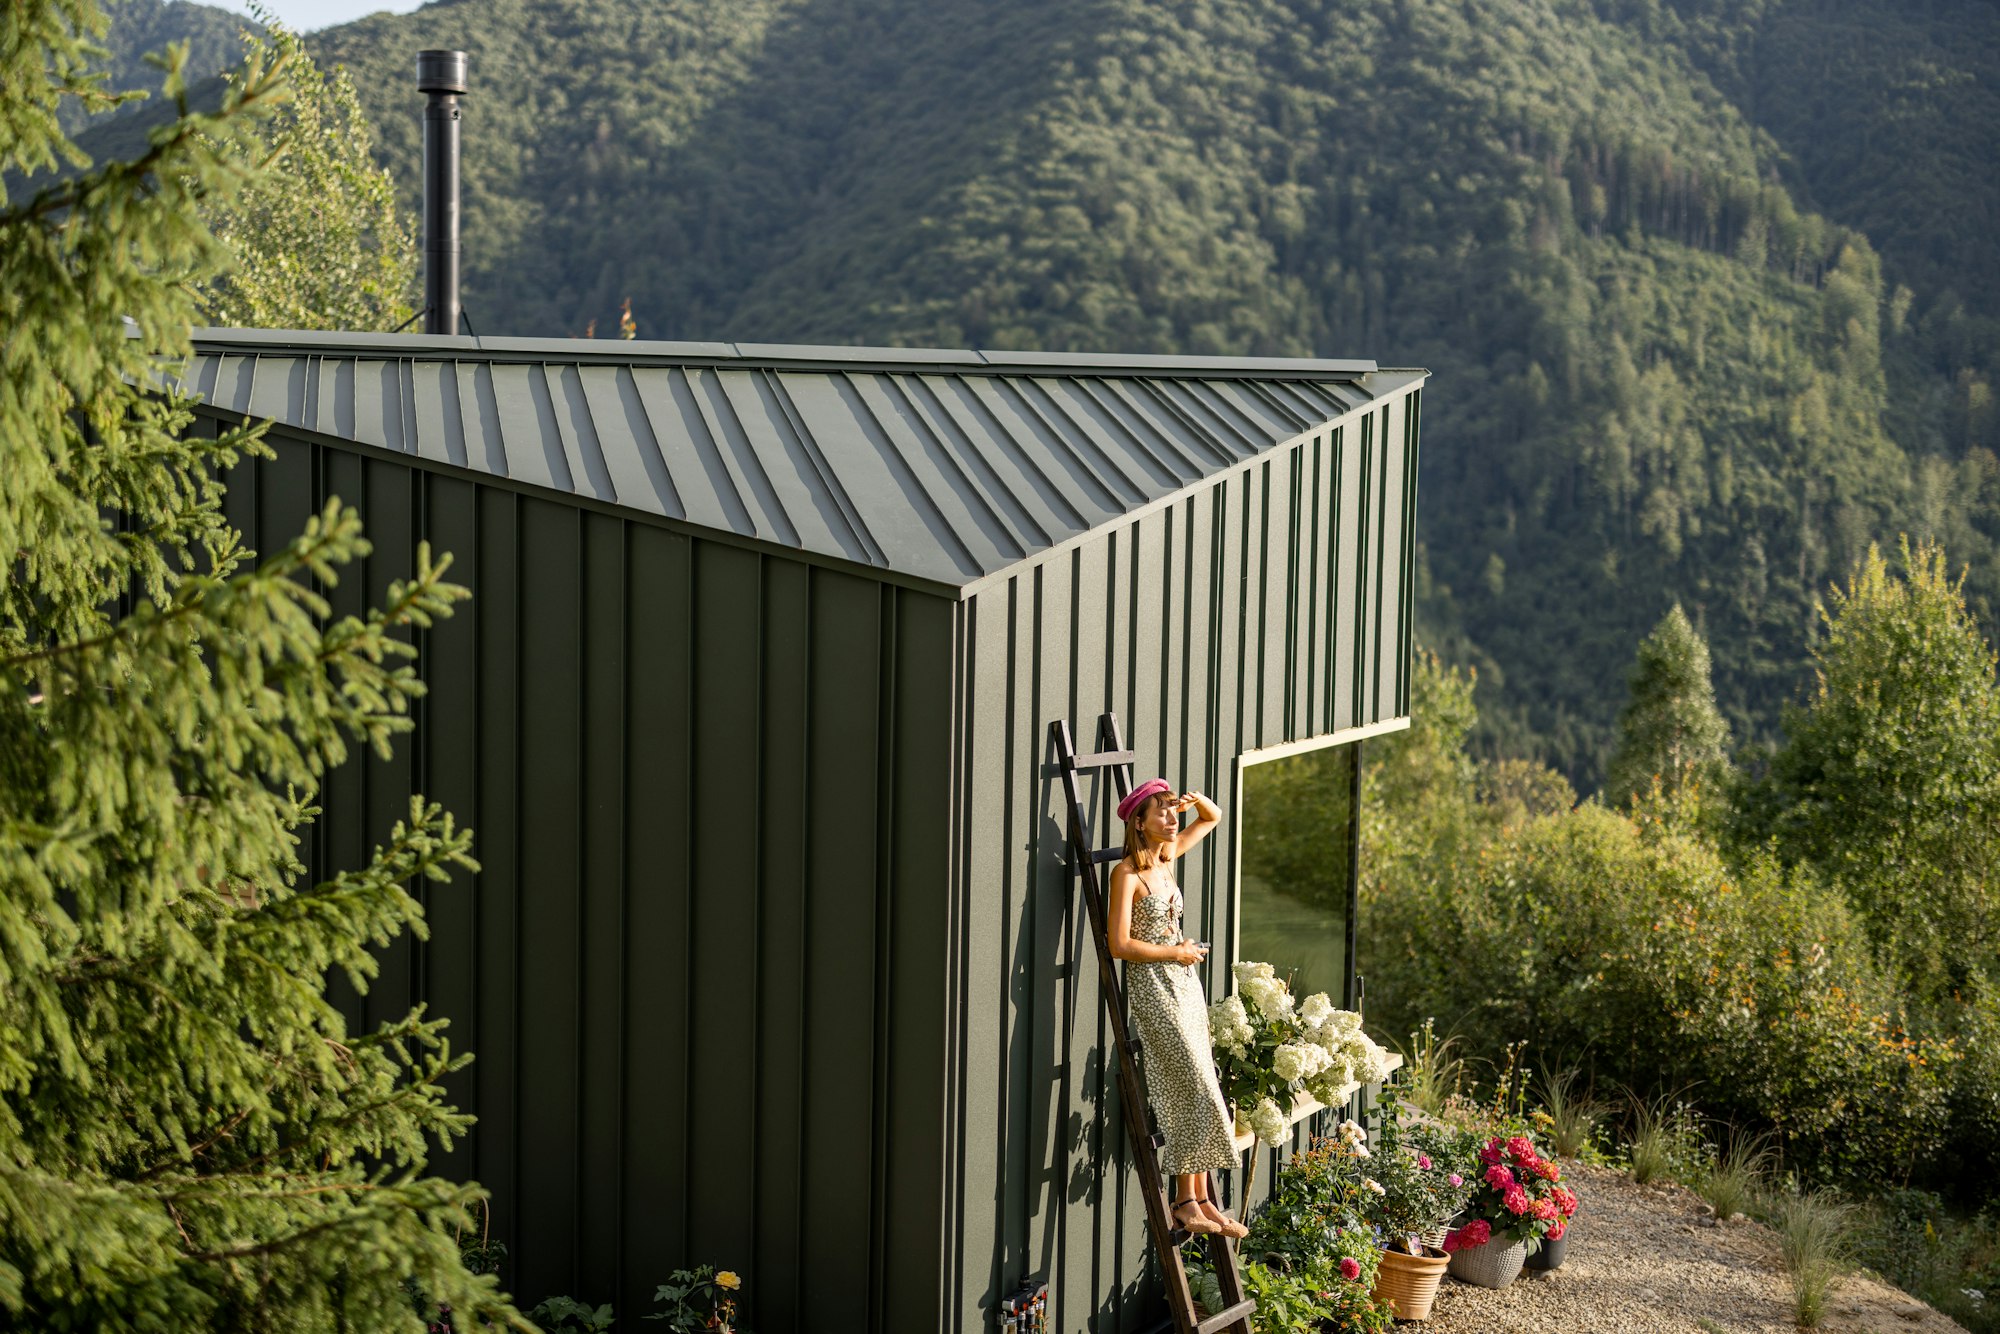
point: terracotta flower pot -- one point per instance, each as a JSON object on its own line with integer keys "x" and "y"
{"x": 1493, "y": 1265}
{"x": 1409, "y": 1283}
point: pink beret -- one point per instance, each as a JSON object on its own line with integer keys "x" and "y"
{"x": 1136, "y": 798}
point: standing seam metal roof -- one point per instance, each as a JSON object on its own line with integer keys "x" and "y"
{"x": 945, "y": 465}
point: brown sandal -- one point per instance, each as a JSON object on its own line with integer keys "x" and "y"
{"x": 1208, "y": 1226}
{"x": 1228, "y": 1226}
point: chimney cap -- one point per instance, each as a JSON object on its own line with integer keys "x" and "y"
{"x": 441, "y": 71}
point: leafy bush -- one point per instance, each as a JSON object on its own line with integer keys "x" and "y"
{"x": 1423, "y": 1173}
{"x": 1310, "y": 1258}
{"x": 1313, "y": 1302}
{"x": 1630, "y": 938}
{"x": 562, "y": 1315}
{"x": 1913, "y": 1240}
{"x": 699, "y": 1299}
{"x": 1316, "y": 1207}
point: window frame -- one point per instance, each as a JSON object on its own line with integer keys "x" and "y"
{"x": 1346, "y": 736}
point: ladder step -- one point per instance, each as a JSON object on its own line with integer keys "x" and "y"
{"x": 1226, "y": 1317}
{"x": 1103, "y": 855}
{"x": 1103, "y": 759}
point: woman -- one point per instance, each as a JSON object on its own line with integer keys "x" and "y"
{"x": 1164, "y": 997}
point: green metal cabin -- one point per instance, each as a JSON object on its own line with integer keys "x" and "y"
{"x": 773, "y": 962}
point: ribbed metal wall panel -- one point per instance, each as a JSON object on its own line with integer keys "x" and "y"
{"x": 700, "y": 965}
{"x": 1270, "y": 607}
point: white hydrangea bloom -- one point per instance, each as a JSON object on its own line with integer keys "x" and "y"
{"x": 1293, "y": 1061}
{"x": 1229, "y": 1026}
{"x": 1269, "y": 996}
{"x": 1329, "y": 1085}
{"x": 1315, "y": 1010}
{"x": 1267, "y": 1121}
{"x": 1246, "y": 970}
{"x": 1369, "y": 1063}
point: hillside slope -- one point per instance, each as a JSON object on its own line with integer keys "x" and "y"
{"x": 1660, "y": 374}
{"x": 141, "y": 27}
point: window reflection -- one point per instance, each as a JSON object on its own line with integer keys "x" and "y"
{"x": 1297, "y": 815}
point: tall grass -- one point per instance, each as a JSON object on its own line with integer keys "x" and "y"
{"x": 1432, "y": 1072}
{"x": 1573, "y": 1117}
{"x": 1732, "y": 1178}
{"x": 1811, "y": 1230}
{"x": 1665, "y": 1141}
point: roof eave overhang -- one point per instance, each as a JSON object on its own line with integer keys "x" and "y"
{"x": 573, "y": 500}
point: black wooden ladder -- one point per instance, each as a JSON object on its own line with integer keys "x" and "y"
{"x": 1140, "y": 1126}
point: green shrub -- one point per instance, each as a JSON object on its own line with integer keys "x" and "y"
{"x": 1313, "y": 1302}
{"x": 567, "y": 1315}
{"x": 1913, "y": 1240}
{"x": 1628, "y": 937}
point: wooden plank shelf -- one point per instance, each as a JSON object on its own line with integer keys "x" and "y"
{"x": 1304, "y": 1106}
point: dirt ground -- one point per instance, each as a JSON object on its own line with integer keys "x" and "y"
{"x": 1648, "y": 1258}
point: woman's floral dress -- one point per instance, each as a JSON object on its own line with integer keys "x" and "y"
{"x": 1165, "y": 1001}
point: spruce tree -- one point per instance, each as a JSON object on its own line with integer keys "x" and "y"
{"x": 1670, "y": 729}
{"x": 190, "y": 1137}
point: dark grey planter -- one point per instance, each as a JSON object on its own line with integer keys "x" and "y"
{"x": 1550, "y": 1254}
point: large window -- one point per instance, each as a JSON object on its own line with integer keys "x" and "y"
{"x": 1298, "y": 847}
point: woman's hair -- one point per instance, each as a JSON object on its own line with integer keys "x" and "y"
{"x": 1135, "y": 842}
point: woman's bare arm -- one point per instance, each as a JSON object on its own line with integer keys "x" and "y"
{"x": 1207, "y": 815}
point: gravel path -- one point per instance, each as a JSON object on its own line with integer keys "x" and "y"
{"x": 1644, "y": 1258}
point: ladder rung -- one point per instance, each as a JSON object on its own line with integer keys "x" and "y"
{"x": 1103, "y": 855}
{"x": 1104, "y": 759}
{"x": 1159, "y": 1140}
{"x": 1227, "y": 1316}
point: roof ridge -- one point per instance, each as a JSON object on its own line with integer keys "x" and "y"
{"x": 465, "y": 347}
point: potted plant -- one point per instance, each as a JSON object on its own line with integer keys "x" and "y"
{"x": 1551, "y": 1194}
{"x": 1310, "y": 1257}
{"x": 1270, "y": 1048}
{"x": 1413, "y": 1193}
{"x": 699, "y": 1299}
{"x": 567, "y": 1315}
{"x": 1513, "y": 1206}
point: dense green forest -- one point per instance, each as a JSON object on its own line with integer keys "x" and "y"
{"x": 1709, "y": 289}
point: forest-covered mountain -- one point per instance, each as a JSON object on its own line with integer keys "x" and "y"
{"x": 1710, "y": 287}
{"x": 143, "y": 27}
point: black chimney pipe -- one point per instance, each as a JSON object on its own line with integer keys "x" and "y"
{"x": 441, "y": 76}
